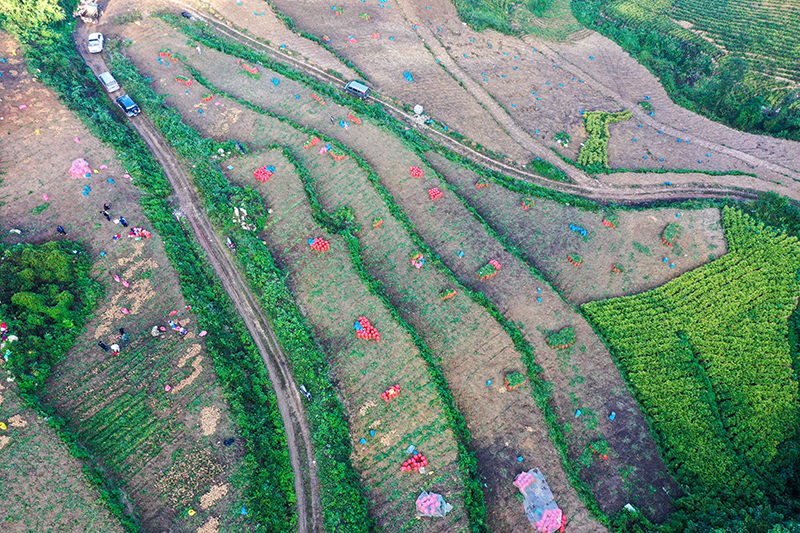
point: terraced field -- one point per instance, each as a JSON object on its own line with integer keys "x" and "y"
{"x": 410, "y": 230}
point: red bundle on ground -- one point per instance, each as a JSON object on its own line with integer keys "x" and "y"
{"x": 416, "y": 172}
{"x": 354, "y": 118}
{"x": 391, "y": 393}
{"x": 262, "y": 174}
{"x": 364, "y": 329}
{"x": 495, "y": 264}
{"x": 139, "y": 234}
{"x": 483, "y": 182}
{"x": 435, "y": 193}
{"x": 416, "y": 462}
{"x": 319, "y": 245}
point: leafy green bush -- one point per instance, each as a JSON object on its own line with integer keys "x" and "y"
{"x": 562, "y": 339}
{"x": 47, "y": 293}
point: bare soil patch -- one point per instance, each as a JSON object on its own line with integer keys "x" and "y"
{"x": 545, "y": 86}
{"x": 635, "y": 246}
{"x": 43, "y": 486}
{"x": 585, "y": 381}
{"x": 499, "y": 425}
{"x": 398, "y": 50}
{"x": 333, "y": 297}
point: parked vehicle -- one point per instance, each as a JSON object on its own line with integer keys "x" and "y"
{"x": 127, "y": 104}
{"x": 356, "y": 88}
{"x": 95, "y": 43}
{"x": 108, "y": 81}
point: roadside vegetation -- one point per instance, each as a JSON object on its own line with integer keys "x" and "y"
{"x": 51, "y": 55}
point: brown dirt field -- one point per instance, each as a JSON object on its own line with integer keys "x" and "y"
{"x": 469, "y": 344}
{"x": 399, "y": 50}
{"x": 543, "y": 233}
{"x": 583, "y": 377}
{"x": 610, "y": 81}
{"x": 574, "y": 372}
{"x": 332, "y": 296}
{"x": 362, "y": 378}
{"x": 43, "y": 486}
{"x": 498, "y": 443}
{"x": 269, "y": 27}
{"x": 99, "y": 393}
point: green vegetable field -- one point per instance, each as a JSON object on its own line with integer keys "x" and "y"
{"x": 732, "y": 61}
{"x": 708, "y": 358}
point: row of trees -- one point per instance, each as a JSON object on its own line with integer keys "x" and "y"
{"x": 721, "y": 88}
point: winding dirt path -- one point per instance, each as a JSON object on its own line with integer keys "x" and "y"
{"x": 584, "y": 186}
{"x": 306, "y": 481}
{"x": 289, "y": 400}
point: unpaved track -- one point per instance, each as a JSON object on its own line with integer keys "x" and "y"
{"x": 290, "y": 403}
{"x": 590, "y": 188}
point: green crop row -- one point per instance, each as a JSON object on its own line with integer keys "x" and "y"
{"x": 343, "y": 503}
{"x": 52, "y": 57}
{"x": 594, "y": 152}
{"x": 473, "y": 496}
{"x": 540, "y": 388}
{"x": 708, "y": 357}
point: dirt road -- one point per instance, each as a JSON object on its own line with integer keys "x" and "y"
{"x": 290, "y": 402}
{"x": 707, "y": 186}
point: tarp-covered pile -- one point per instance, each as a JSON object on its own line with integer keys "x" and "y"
{"x": 432, "y": 504}
{"x": 540, "y": 508}
{"x": 139, "y": 234}
{"x": 80, "y": 169}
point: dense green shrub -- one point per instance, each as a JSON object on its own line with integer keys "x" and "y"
{"x": 594, "y": 152}
{"x": 46, "y": 295}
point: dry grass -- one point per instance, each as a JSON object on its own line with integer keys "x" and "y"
{"x": 209, "y": 418}
{"x": 217, "y": 491}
